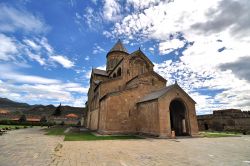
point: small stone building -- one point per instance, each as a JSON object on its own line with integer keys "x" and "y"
{"x": 129, "y": 97}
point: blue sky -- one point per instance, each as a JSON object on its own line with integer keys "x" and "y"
{"x": 47, "y": 48}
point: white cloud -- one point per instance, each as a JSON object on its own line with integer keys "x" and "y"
{"x": 36, "y": 57}
{"x": 103, "y": 67}
{"x": 92, "y": 18}
{"x": 86, "y": 58}
{"x": 32, "y": 44}
{"x": 170, "y": 45}
{"x": 141, "y": 4}
{"x": 36, "y": 49}
{"x": 111, "y": 10}
{"x": 45, "y": 44}
{"x": 12, "y": 19}
{"x": 8, "y": 73}
{"x": 40, "y": 90}
{"x": 8, "y": 48}
{"x": 217, "y": 33}
{"x": 64, "y": 61}
{"x": 97, "y": 49}
{"x": 233, "y": 93}
{"x": 44, "y": 94}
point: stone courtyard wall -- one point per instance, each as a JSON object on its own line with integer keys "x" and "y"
{"x": 225, "y": 120}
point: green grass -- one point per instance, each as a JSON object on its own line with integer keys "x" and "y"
{"x": 219, "y": 134}
{"x": 55, "y": 131}
{"x": 88, "y": 136}
{"x": 84, "y": 136}
{"x": 11, "y": 126}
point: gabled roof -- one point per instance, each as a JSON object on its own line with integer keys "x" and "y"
{"x": 157, "y": 94}
{"x": 118, "y": 47}
{"x": 145, "y": 74}
{"x": 142, "y": 55}
{"x": 99, "y": 72}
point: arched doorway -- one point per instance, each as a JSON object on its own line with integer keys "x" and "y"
{"x": 206, "y": 126}
{"x": 178, "y": 118}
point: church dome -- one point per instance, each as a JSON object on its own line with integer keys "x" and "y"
{"x": 118, "y": 47}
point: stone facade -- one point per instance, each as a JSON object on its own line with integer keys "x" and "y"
{"x": 225, "y": 120}
{"x": 129, "y": 97}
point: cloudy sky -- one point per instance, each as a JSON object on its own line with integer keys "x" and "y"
{"x": 47, "y": 48}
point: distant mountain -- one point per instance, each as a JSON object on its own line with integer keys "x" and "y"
{"x": 13, "y": 106}
{"x": 16, "y": 107}
{"x": 4, "y": 102}
{"x": 49, "y": 110}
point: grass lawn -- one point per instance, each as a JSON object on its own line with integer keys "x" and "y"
{"x": 84, "y": 136}
{"x": 88, "y": 136}
{"x": 55, "y": 131}
{"x": 218, "y": 134}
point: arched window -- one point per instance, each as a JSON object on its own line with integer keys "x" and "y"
{"x": 114, "y": 75}
{"x": 119, "y": 72}
{"x": 142, "y": 68}
{"x": 111, "y": 63}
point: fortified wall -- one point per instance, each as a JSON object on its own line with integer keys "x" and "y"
{"x": 225, "y": 120}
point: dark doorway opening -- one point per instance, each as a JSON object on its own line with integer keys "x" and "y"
{"x": 206, "y": 126}
{"x": 178, "y": 118}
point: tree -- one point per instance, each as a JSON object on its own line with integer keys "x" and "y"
{"x": 57, "y": 111}
{"x": 22, "y": 118}
{"x": 43, "y": 119}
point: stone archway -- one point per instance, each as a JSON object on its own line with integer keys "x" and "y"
{"x": 178, "y": 118}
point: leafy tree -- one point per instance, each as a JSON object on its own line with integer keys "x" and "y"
{"x": 57, "y": 111}
{"x": 43, "y": 119}
{"x": 22, "y": 118}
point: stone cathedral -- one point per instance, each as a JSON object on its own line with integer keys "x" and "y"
{"x": 129, "y": 97}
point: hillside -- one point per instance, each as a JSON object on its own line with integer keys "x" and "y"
{"x": 16, "y": 107}
{"x": 13, "y": 106}
{"x": 49, "y": 110}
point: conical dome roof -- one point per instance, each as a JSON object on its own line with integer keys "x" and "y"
{"x": 118, "y": 47}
